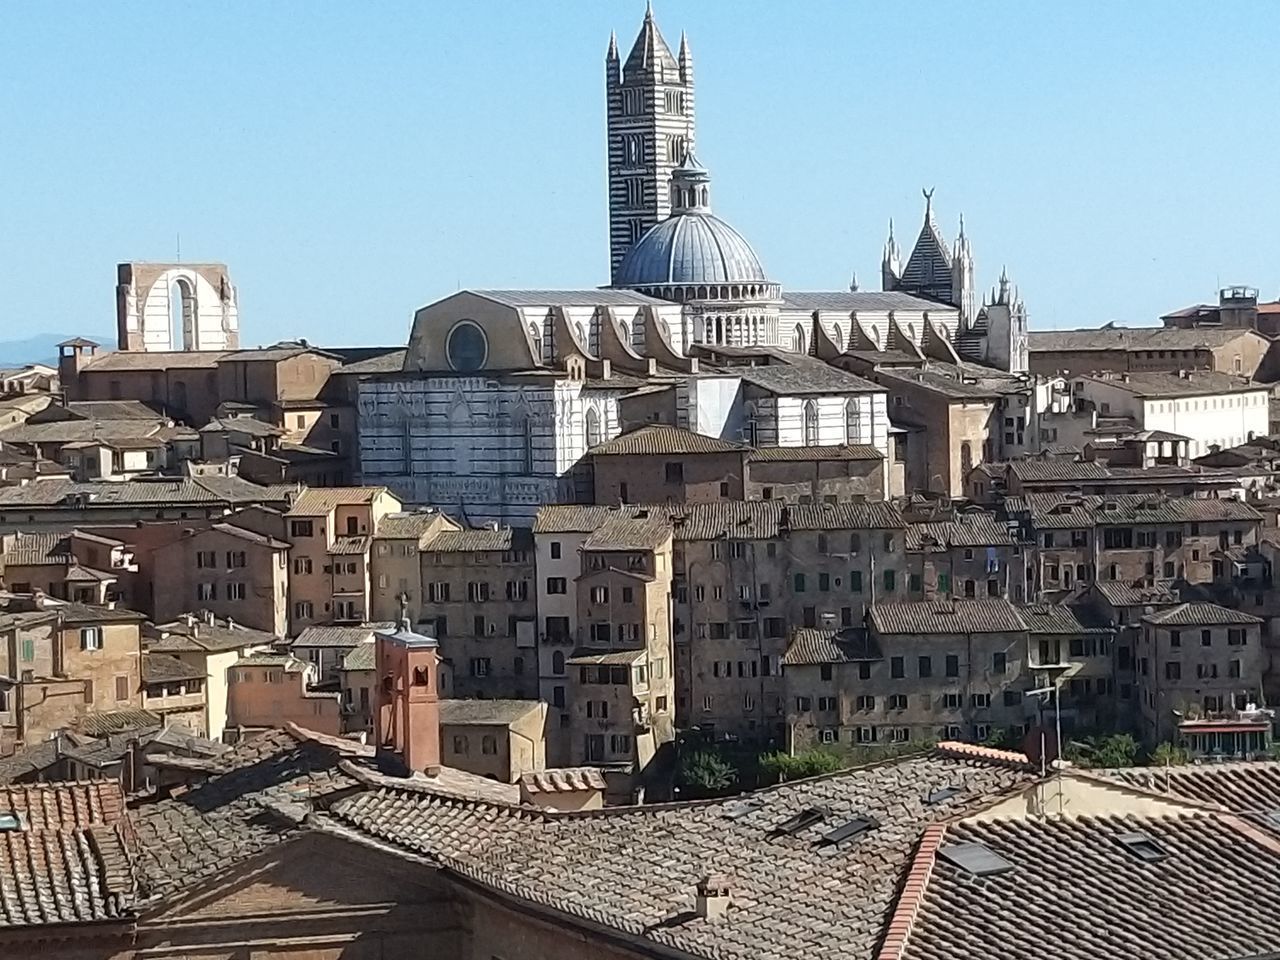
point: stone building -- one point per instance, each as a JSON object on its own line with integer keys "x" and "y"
{"x": 1137, "y": 540}
{"x": 745, "y": 575}
{"x": 327, "y": 647}
{"x": 481, "y": 603}
{"x": 1197, "y": 661}
{"x": 266, "y": 690}
{"x": 63, "y": 662}
{"x": 499, "y": 739}
{"x": 175, "y": 691}
{"x": 208, "y": 647}
{"x": 970, "y": 556}
{"x": 1114, "y": 349}
{"x": 232, "y": 572}
{"x": 919, "y": 670}
{"x": 1209, "y": 409}
{"x": 619, "y": 682}
{"x": 168, "y": 307}
{"x": 331, "y": 532}
{"x": 396, "y": 578}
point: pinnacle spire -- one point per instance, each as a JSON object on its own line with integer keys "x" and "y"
{"x": 613, "y": 45}
{"x": 684, "y": 45}
{"x": 650, "y": 51}
{"x": 961, "y": 237}
{"x": 928, "y": 204}
{"x": 648, "y": 11}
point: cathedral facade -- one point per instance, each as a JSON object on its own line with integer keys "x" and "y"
{"x": 501, "y": 392}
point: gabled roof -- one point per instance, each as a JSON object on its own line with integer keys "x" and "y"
{"x": 165, "y": 668}
{"x": 1217, "y": 873}
{"x": 929, "y": 617}
{"x": 634, "y": 870}
{"x": 316, "y": 501}
{"x": 662, "y": 440}
{"x": 334, "y": 635}
{"x": 810, "y": 647}
{"x": 869, "y": 301}
{"x": 964, "y": 530}
{"x": 486, "y": 712}
{"x": 1241, "y": 787}
{"x": 1199, "y": 614}
{"x": 823, "y": 452}
{"x": 930, "y": 262}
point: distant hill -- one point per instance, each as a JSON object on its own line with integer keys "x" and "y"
{"x": 42, "y": 348}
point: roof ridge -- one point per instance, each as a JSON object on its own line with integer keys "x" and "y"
{"x": 911, "y": 895}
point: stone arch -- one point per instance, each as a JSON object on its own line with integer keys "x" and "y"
{"x": 853, "y": 420}
{"x": 182, "y": 314}
{"x": 798, "y": 340}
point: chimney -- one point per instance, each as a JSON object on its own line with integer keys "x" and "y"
{"x": 189, "y": 619}
{"x": 231, "y": 624}
{"x": 712, "y": 900}
{"x": 208, "y": 617}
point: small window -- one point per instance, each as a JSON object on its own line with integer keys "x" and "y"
{"x": 1142, "y": 846}
{"x": 974, "y": 858}
{"x": 90, "y": 638}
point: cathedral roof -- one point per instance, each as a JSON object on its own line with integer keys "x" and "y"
{"x": 930, "y": 262}
{"x": 691, "y": 247}
{"x": 650, "y": 50}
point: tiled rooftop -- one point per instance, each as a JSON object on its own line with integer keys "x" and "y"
{"x": 317, "y": 501}
{"x": 662, "y": 440}
{"x": 1199, "y": 614}
{"x": 811, "y": 646}
{"x": 947, "y": 616}
{"x": 635, "y": 869}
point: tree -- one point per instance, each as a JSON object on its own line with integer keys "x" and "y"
{"x": 1116, "y": 750}
{"x": 781, "y": 767}
{"x": 1167, "y": 755}
{"x": 704, "y": 773}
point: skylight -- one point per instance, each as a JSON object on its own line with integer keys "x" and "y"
{"x": 847, "y": 831}
{"x": 946, "y": 793}
{"x": 975, "y": 858}
{"x": 737, "y": 809}
{"x": 793, "y": 825}
{"x": 1142, "y": 846}
{"x": 9, "y": 821}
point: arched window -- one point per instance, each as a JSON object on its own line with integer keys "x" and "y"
{"x": 593, "y": 427}
{"x": 626, "y": 332}
{"x": 798, "y": 339}
{"x": 810, "y": 423}
{"x": 421, "y": 677}
{"x": 837, "y": 338}
{"x": 557, "y": 663}
{"x": 582, "y": 335}
{"x": 182, "y": 316}
{"x": 535, "y": 336}
{"x": 704, "y": 196}
{"x": 853, "y": 420}
{"x": 966, "y": 459}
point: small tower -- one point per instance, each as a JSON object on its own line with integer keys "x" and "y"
{"x": 649, "y": 106}
{"x": 73, "y": 356}
{"x": 963, "y": 293}
{"x": 407, "y": 720}
{"x": 890, "y": 263}
{"x": 1004, "y": 323}
{"x": 690, "y": 186}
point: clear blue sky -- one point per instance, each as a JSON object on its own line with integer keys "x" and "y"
{"x": 353, "y": 161}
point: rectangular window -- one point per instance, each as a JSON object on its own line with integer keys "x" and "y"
{"x": 122, "y": 688}
{"x": 557, "y": 585}
{"x": 236, "y": 591}
{"x": 235, "y": 558}
{"x": 206, "y": 591}
{"x": 925, "y": 667}
{"x": 890, "y": 580}
{"x": 953, "y": 665}
{"x": 301, "y": 528}
{"x": 944, "y": 583}
{"x": 206, "y": 559}
{"x": 1173, "y": 670}
{"x": 480, "y": 666}
{"x": 855, "y": 581}
{"x": 302, "y": 610}
{"x": 799, "y": 583}
{"x": 477, "y": 591}
{"x": 90, "y": 638}
{"x": 896, "y": 669}
{"x": 302, "y": 565}
{"x": 999, "y": 662}
{"x": 824, "y": 582}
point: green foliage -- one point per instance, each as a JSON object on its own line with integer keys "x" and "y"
{"x": 705, "y": 773}
{"x": 999, "y": 737}
{"x": 1116, "y": 750}
{"x": 1167, "y": 755}
{"x": 780, "y": 766}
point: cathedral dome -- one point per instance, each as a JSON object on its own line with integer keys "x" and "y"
{"x": 690, "y": 247}
{"x": 694, "y": 250}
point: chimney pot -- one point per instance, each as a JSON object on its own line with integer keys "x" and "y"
{"x": 712, "y": 899}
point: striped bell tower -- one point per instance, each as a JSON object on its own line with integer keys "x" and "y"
{"x": 650, "y": 128}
